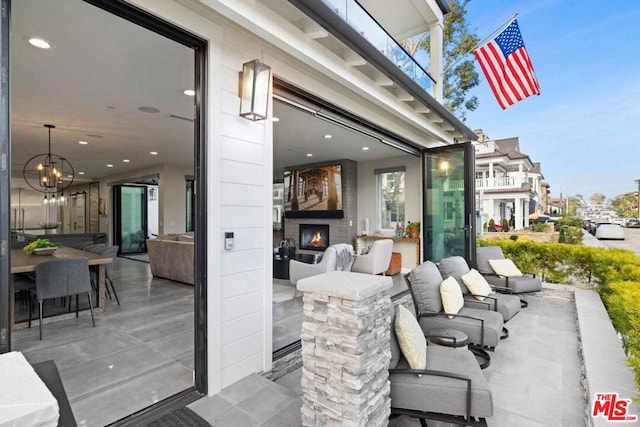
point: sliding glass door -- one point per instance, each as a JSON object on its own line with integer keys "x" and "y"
{"x": 449, "y": 191}
{"x": 130, "y": 218}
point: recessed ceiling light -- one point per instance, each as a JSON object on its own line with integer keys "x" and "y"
{"x": 276, "y": 119}
{"x": 82, "y": 142}
{"x": 189, "y": 92}
{"x": 148, "y": 109}
{"x": 309, "y": 155}
{"x": 40, "y": 43}
{"x": 328, "y": 136}
{"x": 126, "y": 161}
{"x": 153, "y": 153}
{"x": 80, "y": 173}
{"x": 109, "y": 165}
{"x": 365, "y": 148}
{"x": 69, "y": 176}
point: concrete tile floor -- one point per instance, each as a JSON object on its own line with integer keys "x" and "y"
{"x": 534, "y": 376}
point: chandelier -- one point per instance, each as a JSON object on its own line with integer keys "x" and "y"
{"x": 50, "y": 174}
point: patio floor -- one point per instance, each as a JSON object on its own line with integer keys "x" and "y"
{"x": 535, "y": 377}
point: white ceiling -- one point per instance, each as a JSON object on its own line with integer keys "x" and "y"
{"x": 101, "y": 69}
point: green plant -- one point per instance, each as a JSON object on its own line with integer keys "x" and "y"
{"x": 40, "y": 243}
{"x": 571, "y": 235}
{"x": 539, "y": 227}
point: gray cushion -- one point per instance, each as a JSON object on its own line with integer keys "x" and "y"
{"x": 493, "y": 323}
{"x": 439, "y": 394}
{"x": 425, "y": 287}
{"x": 396, "y": 353}
{"x": 518, "y": 285}
{"x": 508, "y": 305}
{"x": 484, "y": 254}
{"x": 454, "y": 266}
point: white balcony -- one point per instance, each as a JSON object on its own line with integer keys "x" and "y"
{"x": 498, "y": 183}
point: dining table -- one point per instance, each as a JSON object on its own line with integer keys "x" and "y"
{"x": 23, "y": 263}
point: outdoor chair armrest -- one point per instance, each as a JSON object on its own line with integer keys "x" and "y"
{"x": 431, "y": 314}
{"x": 404, "y": 371}
{"x": 495, "y": 301}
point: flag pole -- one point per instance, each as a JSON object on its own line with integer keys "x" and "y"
{"x": 498, "y": 29}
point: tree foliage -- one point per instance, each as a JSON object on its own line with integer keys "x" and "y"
{"x": 460, "y": 74}
{"x": 626, "y": 205}
{"x": 597, "y": 198}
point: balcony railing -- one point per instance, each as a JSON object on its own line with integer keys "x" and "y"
{"x": 497, "y": 183}
{"x": 360, "y": 20}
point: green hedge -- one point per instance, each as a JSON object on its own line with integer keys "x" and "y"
{"x": 616, "y": 272}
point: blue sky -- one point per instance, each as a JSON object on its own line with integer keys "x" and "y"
{"x": 584, "y": 128}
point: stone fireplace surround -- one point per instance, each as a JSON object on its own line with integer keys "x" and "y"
{"x": 342, "y": 230}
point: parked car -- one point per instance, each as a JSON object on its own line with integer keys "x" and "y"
{"x": 609, "y": 231}
{"x": 593, "y": 225}
{"x": 632, "y": 223}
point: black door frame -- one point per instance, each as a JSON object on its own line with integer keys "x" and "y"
{"x": 5, "y": 179}
{"x": 200, "y": 46}
{"x": 117, "y": 215}
{"x": 469, "y": 198}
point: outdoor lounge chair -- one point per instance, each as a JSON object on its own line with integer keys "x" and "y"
{"x": 507, "y": 305}
{"x": 482, "y": 326}
{"x": 513, "y": 284}
{"x": 451, "y": 388}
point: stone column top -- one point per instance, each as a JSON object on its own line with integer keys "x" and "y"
{"x": 345, "y": 285}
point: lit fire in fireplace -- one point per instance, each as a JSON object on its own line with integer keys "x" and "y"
{"x": 317, "y": 240}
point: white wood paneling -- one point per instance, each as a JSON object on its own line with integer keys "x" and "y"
{"x": 243, "y": 217}
{"x": 249, "y": 324}
{"x": 242, "y": 151}
{"x": 241, "y": 349}
{"x": 241, "y": 305}
{"x": 242, "y": 283}
{"x": 241, "y": 369}
{"x": 236, "y": 261}
{"x": 247, "y": 238}
{"x": 243, "y": 195}
{"x": 242, "y": 173}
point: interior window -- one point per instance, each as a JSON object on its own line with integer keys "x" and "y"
{"x": 390, "y": 192}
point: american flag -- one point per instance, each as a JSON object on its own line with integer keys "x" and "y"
{"x": 507, "y": 66}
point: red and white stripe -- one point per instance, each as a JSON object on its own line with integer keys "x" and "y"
{"x": 511, "y": 79}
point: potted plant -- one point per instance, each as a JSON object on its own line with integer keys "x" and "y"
{"x": 413, "y": 229}
{"x": 39, "y": 246}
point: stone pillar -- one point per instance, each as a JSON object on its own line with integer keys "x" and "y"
{"x": 345, "y": 350}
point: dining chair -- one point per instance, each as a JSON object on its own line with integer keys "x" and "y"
{"x": 111, "y": 252}
{"x": 62, "y": 277}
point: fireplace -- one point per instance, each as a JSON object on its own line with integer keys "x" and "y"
{"x": 314, "y": 237}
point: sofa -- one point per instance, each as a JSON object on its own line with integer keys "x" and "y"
{"x": 171, "y": 256}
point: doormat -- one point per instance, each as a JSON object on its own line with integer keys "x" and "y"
{"x": 182, "y": 417}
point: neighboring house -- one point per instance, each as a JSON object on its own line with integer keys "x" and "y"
{"x": 556, "y": 206}
{"x": 509, "y": 184}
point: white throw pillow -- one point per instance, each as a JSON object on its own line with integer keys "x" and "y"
{"x": 451, "y": 293}
{"x": 411, "y": 339}
{"x": 477, "y": 284}
{"x": 504, "y": 267}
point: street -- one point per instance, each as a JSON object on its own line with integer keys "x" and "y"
{"x": 631, "y": 241}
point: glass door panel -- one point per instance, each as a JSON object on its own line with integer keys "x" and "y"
{"x": 449, "y": 190}
{"x": 130, "y": 218}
